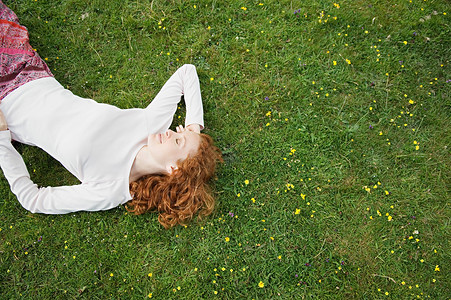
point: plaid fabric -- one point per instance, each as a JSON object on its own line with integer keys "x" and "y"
{"x": 19, "y": 63}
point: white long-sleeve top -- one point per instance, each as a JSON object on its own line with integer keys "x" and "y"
{"x": 96, "y": 142}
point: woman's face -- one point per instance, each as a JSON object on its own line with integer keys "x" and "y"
{"x": 169, "y": 147}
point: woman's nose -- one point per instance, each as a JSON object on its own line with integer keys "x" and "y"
{"x": 169, "y": 133}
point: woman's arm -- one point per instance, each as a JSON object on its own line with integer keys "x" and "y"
{"x": 51, "y": 200}
{"x": 184, "y": 82}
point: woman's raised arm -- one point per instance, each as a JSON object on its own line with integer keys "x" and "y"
{"x": 184, "y": 82}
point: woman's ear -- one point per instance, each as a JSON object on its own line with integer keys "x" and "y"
{"x": 171, "y": 169}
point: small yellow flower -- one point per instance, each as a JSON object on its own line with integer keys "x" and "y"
{"x": 437, "y": 269}
{"x": 405, "y": 42}
{"x": 261, "y": 284}
{"x": 227, "y": 239}
{"x": 302, "y": 196}
{"x": 298, "y": 211}
{"x": 150, "y": 295}
{"x": 246, "y": 182}
{"x": 150, "y": 274}
{"x": 238, "y": 195}
{"x": 111, "y": 274}
{"x": 334, "y": 62}
{"x": 403, "y": 283}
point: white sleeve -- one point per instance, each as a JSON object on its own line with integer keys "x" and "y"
{"x": 49, "y": 200}
{"x": 184, "y": 82}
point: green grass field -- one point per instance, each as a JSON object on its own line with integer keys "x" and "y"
{"x": 334, "y": 122}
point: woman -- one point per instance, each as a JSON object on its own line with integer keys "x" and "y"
{"x": 119, "y": 156}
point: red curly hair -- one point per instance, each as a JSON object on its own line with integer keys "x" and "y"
{"x": 177, "y": 197}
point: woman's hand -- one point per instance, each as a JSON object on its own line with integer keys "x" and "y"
{"x": 3, "y": 124}
{"x": 192, "y": 127}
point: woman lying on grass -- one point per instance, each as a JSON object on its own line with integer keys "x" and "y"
{"x": 119, "y": 156}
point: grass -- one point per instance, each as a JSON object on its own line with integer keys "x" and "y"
{"x": 335, "y": 138}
